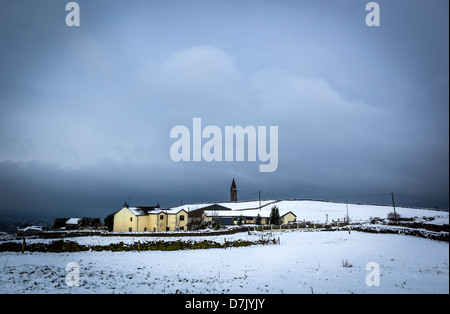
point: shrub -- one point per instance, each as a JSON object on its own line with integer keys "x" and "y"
{"x": 393, "y": 216}
{"x": 216, "y": 225}
{"x": 59, "y": 222}
{"x": 258, "y": 220}
{"x": 109, "y": 222}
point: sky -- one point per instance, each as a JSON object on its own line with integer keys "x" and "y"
{"x": 86, "y": 111}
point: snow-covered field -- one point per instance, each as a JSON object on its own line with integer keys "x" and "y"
{"x": 304, "y": 262}
{"x": 318, "y": 211}
{"x": 321, "y": 211}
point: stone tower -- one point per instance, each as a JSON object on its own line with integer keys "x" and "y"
{"x": 233, "y": 192}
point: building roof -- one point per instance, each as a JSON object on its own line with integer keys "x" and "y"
{"x": 29, "y": 228}
{"x": 146, "y": 210}
{"x": 73, "y": 221}
{"x": 243, "y": 205}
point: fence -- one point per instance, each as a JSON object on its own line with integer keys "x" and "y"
{"x": 236, "y": 229}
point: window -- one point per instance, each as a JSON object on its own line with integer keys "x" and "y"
{"x": 181, "y": 228}
{"x": 167, "y": 229}
{"x": 131, "y": 218}
{"x": 145, "y": 229}
{"x": 161, "y": 217}
{"x": 182, "y": 218}
{"x": 130, "y": 229}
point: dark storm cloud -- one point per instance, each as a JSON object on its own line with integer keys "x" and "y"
{"x": 86, "y": 113}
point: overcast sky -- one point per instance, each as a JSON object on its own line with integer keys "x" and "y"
{"x": 86, "y": 112}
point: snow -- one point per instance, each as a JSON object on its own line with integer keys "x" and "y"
{"x": 35, "y": 228}
{"x": 136, "y": 211}
{"x": 73, "y": 221}
{"x": 321, "y": 211}
{"x": 304, "y": 262}
{"x": 139, "y": 212}
{"x": 246, "y": 204}
{"x": 104, "y": 241}
{"x": 236, "y": 213}
{"x": 232, "y": 205}
{"x": 317, "y": 211}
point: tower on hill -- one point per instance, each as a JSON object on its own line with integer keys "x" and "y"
{"x": 233, "y": 192}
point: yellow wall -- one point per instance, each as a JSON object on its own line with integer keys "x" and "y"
{"x": 204, "y": 218}
{"x": 182, "y": 223}
{"x": 169, "y": 222}
{"x": 146, "y": 223}
{"x": 289, "y": 217}
{"x": 125, "y": 219}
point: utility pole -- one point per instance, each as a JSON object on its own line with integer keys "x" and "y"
{"x": 259, "y": 193}
{"x": 393, "y": 204}
{"x": 347, "y": 218}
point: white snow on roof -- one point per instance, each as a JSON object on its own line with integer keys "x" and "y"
{"x": 246, "y": 205}
{"x": 73, "y": 221}
{"x": 139, "y": 212}
{"x": 36, "y": 228}
{"x": 136, "y": 210}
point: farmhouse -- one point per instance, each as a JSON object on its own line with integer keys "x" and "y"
{"x": 155, "y": 219}
{"x": 195, "y": 217}
{"x": 149, "y": 218}
{"x": 31, "y": 230}
{"x": 73, "y": 223}
{"x": 229, "y": 213}
{"x": 231, "y": 217}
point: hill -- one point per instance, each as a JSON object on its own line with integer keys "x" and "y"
{"x": 323, "y": 211}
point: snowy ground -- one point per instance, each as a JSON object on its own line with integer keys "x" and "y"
{"x": 130, "y": 239}
{"x": 321, "y": 211}
{"x": 304, "y": 262}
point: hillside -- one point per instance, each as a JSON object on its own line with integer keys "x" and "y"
{"x": 317, "y": 211}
